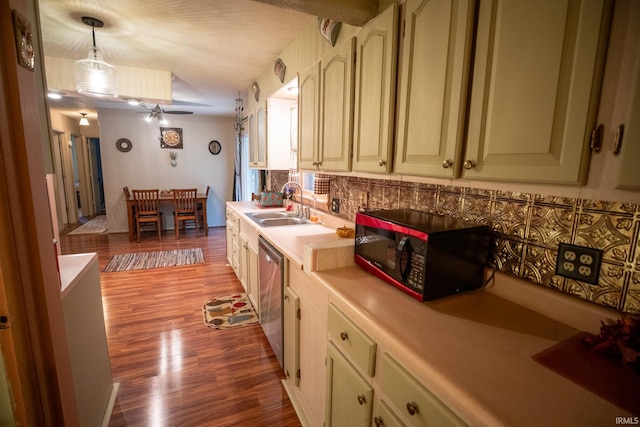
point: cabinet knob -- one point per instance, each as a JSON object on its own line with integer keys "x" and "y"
{"x": 447, "y": 164}
{"x": 378, "y": 422}
{"x": 344, "y": 336}
{"x": 382, "y": 162}
{"x": 469, "y": 164}
{"x": 361, "y": 399}
{"x": 412, "y": 408}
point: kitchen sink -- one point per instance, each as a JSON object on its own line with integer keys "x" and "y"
{"x": 275, "y": 219}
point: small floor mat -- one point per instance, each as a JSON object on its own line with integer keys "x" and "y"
{"x": 229, "y": 312}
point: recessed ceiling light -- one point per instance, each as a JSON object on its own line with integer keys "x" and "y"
{"x": 55, "y": 94}
{"x": 134, "y": 101}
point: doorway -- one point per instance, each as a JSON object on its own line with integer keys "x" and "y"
{"x": 95, "y": 175}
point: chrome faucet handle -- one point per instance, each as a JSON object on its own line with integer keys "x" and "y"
{"x": 306, "y": 212}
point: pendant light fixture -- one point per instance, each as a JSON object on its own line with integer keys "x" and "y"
{"x": 84, "y": 121}
{"x": 94, "y": 77}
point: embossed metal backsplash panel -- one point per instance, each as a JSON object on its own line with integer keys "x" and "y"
{"x": 527, "y": 229}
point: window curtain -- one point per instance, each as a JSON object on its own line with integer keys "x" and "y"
{"x": 237, "y": 153}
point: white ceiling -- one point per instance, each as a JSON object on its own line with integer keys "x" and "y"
{"x": 213, "y": 48}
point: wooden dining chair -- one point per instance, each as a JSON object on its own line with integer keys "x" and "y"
{"x": 200, "y": 212}
{"x": 146, "y": 210}
{"x": 185, "y": 206}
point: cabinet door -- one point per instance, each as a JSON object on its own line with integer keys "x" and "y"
{"x": 229, "y": 242}
{"x": 349, "y": 396}
{"x": 385, "y": 417}
{"x": 433, "y": 87}
{"x": 376, "y": 56}
{"x": 336, "y": 115}
{"x": 261, "y": 130}
{"x": 291, "y": 336}
{"x": 244, "y": 263}
{"x": 629, "y": 178}
{"x": 536, "y": 83}
{"x": 308, "y": 117}
{"x": 252, "y": 282}
{"x": 253, "y": 139}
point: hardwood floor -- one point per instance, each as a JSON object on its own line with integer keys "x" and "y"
{"x": 172, "y": 369}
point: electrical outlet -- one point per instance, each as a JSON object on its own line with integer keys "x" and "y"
{"x": 363, "y": 199}
{"x": 579, "y": 262}
{"x": 335, "y": 205}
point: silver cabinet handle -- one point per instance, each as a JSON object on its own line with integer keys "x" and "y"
{"x": 361, "y": 399}
{"x": 469, "y": 164}
{"x": 378, "y": 422}
{"x": 382, "y": 162}
{"x": 447, "y": 164}
{"x": 344, "y": 336}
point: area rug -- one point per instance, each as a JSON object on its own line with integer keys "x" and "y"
{"x": 229, "y": 312}
{"x": 95, "y": 226}
{"x": 156, "y": 259}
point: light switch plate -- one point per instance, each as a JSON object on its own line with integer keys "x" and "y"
{"x": 335, "y": 205}
{"x": 579, "y": 262}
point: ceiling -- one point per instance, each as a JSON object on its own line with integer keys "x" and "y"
{"x": 212, "y": 48}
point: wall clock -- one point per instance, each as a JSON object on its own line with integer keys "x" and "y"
{"x": 215, "y": 147}
{"x": 123, "y": 145}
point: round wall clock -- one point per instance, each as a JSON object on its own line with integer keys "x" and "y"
{"x": 123, "y": 145}
{"x": 215, "y": 147}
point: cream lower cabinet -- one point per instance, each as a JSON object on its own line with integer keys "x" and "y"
{"x": 436, "y": 50}
{"x": 252, "y": 276}
{"x": 233, "y": 241}
{"x": 349, "y": 395}
{"x": 410, "y": 400}
{"x": 243, "y": 264}
{"x": 291, "y": 309}
{"x": 325, "y": 125}
{"x": 374, "y": 112}
{"x": 308, "y": 388}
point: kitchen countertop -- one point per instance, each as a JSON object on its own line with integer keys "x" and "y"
{"x": 474, "y": 351}
{"x": 290, "y": 239}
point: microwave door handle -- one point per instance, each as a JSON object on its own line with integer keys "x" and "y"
{"x": 404, "y": 246}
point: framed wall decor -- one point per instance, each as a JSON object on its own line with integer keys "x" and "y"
{"x": 280, "y": 69}
{"x": 24, "y": 41}
{"x": 170, "y": 138}
{"x": 215, "y": 147}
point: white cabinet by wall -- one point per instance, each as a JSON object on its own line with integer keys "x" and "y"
{"x": 280, "y": 123}
{"x": 243, "y": 262}
{"x": 535, "y": 89}
{"x": 330, "y": 93}
{"x": 436, "y": 49}
{"x": 252, "y": 280}
{"x": 376, "y": 56}
{"x": 233, "y": 241}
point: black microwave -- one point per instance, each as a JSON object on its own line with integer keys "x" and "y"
{"x": 426, "y": 256}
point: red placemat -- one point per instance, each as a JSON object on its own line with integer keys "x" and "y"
{"x": 600, "y": 374}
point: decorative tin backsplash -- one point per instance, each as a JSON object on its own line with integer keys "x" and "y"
{"x": 527, "y": 229}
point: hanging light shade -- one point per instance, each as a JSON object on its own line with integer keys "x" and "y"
{"x": 94, "y": 77}
{"x": 84, "y": 121}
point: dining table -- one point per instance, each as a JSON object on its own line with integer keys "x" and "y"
{"x": 165, "y": 199}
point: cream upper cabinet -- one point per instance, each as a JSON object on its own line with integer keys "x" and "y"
{"x": 434, "y": 72}
{"x": 308, "y": 117}
{"x": 325, "y": 103}
{"x": 253, "y": 138}
{"x": 535, "y": 89}
{"x": 258, "y": 146}
{"x": 376, "y": 56}
{"x": 336, "y": 103}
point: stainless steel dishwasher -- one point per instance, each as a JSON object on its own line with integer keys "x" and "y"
{"x": 271, "y": 272}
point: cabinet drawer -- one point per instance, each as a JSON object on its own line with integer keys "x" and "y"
{"x": 233, "y": 219}
{"x": 384, "y": 416}
{"x": 351, "y": 340}
{"x": 411, "y": 399}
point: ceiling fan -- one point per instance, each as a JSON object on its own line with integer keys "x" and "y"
{"x": 158, "y": 113}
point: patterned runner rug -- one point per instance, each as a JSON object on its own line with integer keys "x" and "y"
{"x": 95, "y": 226}
{"x": 156, "y": 259}
{"x": 229, "y": 312}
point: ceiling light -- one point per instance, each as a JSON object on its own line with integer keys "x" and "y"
{"x": 55, "y": 94}
{"x": 293, "y": 89}
{"x": 133, "y": 101}
{"x": 94, "y": 77}
{"x": 83, "y": 120}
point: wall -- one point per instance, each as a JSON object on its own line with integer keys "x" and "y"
{"x": 147, "y": 165}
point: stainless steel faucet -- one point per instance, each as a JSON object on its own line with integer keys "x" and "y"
{"x": 305, "y": 213}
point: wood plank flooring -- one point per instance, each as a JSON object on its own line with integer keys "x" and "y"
{"x": 172, "y": 369}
